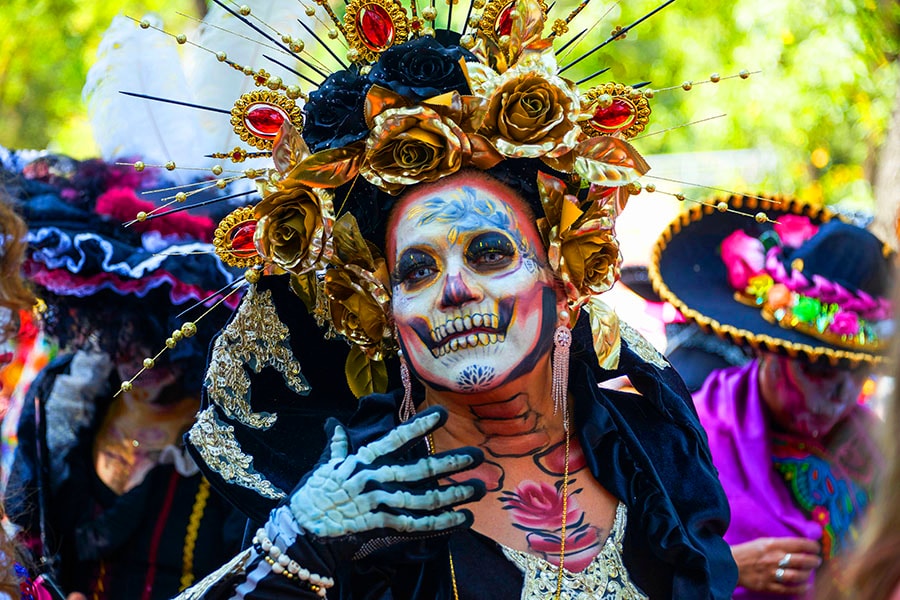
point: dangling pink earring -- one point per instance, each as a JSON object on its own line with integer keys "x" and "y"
{"x": 562, "y": 341}
{"x": 407, "y": 407}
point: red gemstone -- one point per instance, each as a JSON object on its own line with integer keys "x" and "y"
{"x": 264, "y": 120}
{"x": 242, "y": 240}
{"x": 237, "y": 156}
{"x": 375, "y": 27}
{"x": 617, "y": 115}
{"x": 503, "y": 24}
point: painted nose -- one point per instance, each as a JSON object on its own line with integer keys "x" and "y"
{"x": 456, "y": 292}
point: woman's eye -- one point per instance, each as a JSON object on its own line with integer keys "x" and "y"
{"x": 414, "y": 267}
{"x": 490, "y": 250}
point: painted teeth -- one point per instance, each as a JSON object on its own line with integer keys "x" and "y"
{"x": 463, "y": 324}
{"x": 470, "y": 341}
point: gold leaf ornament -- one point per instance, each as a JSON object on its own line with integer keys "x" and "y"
{"x": 606, "y": 333}
{"x": 364, "y": 375}
{"x": 289, "y": 148}
{"x": 330, "y": 168}
{"x": 609, "y": 161}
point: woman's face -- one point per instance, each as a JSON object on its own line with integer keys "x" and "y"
{"x": 473, "y": 300}
{"x": 808, "y": 399}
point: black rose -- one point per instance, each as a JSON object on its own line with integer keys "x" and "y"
{"x": 334, "y": 112}
{"x": 422, "y": 68}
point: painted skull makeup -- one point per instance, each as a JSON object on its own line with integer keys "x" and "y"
{"x": 808, "y": 399}
{"x": 472, "y": 297}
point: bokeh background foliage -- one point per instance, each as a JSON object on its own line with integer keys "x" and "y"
{"x": 821, "y": 105}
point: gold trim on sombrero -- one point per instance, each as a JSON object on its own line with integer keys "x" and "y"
{"x": 364, "y": 49}
{"x": 729, "y": 332}
{"x": 612, "y": 95}
{"x": 256, "y": 135}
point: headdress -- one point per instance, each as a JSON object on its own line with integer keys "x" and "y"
{"x": 411, "y": 103}
{"x": 803, "y": 282}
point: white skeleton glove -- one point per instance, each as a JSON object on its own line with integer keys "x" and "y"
{"x": 372, "y": 493}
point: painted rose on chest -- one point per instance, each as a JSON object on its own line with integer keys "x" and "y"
{"x": 537, "y": 509}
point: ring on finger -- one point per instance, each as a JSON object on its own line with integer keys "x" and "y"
{"x": 785, "y": 560}
{"x": 779, "y": 574}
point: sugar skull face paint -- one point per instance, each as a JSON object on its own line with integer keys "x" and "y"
{"x": 473, "y": 299}
{"x": 808, "y": 399}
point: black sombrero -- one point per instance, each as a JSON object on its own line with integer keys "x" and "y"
{"x": 827, "y": 265}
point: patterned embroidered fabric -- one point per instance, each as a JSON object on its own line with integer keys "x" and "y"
{"x": 606, "y": 578}
{"x": 828, "y": 491}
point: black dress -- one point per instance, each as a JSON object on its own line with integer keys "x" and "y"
{"x": 648, "y": 450}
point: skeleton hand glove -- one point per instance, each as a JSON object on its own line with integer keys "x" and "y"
{"x": 352, "y": 499}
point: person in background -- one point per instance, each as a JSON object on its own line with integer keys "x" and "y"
{"x": 795, "y": 449}
{"x": 110, "y": 504}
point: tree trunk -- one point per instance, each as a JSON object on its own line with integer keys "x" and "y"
{"x": 887, "y": 182}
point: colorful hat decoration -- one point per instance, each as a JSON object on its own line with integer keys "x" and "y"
{"x": 804, "y": 283}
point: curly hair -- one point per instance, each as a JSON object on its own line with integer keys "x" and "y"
{"x": 15, "y": 294}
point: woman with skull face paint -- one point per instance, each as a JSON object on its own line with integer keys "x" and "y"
{"x": 490, "y": 489}
{"x": 794, "y": 448}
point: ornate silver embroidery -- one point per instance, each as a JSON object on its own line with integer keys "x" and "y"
{"x": 221, "y": 452}
{"x": 604, "y": 579}
{"x": 254, "y": 338}
{"x": 233, "y": 567}
{"x": 641, "y": 346}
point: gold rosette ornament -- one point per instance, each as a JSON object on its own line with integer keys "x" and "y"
{"x": 357, "y": 287}
{"x": 581, "y": 244}
{"x": 294, "y": 227}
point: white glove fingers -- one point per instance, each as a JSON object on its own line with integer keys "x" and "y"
{"x": 399, "y": 437}
{"x": 426, "y": 523}
{"x": 340, "y": 445}
{"x": 429, "y": 500}
{"x": 431, "y": 467}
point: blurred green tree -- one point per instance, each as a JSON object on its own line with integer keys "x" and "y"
{"x": 46, "y": 48}
{"x": 820, "y": 105}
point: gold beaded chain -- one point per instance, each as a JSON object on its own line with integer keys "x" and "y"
{"x": 565, "y": 512}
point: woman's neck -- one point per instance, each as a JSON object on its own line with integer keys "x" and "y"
{"x": 513, "y": 420}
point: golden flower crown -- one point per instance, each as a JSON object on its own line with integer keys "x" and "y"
{"x": 411, "y": 109}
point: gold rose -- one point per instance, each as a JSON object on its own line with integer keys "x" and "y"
{"x": 581, "y": 245}
{"x": 422, "y": 142}
{"x": 530, "y": 112}
{"x": 294, "y": 227}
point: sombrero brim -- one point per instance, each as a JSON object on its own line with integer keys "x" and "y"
{"x": 686, "y": 269}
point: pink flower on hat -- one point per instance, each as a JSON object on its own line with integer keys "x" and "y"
{"x": 844, "y": 323}
{"x": 744, "y": 257}
{"x": 794, "y": 230}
